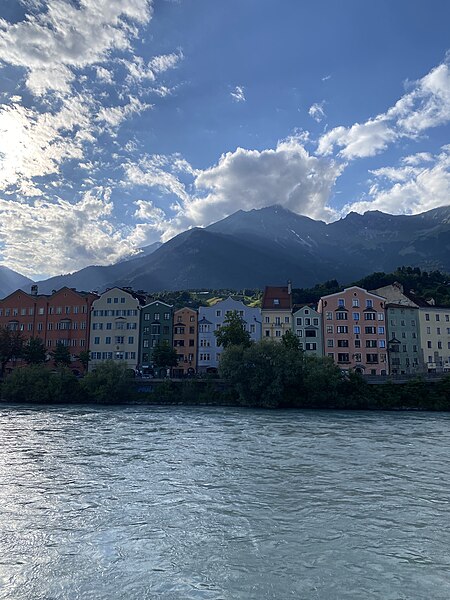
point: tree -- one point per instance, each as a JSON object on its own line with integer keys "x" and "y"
{"x": 61, "y": 355}
{"x": 290, "y": 340}
{"x": 84, "y": 357}
{"x": 34, "y": 352}
{"x": 111, "y": 382}
{"x": 11, "y": 346}
{"x": 164, "y": 356}
{"x": 232, "y": 332}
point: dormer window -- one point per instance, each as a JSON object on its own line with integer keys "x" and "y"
{"x": 276, "y": 302}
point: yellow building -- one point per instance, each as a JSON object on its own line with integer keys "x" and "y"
{"x": 276, "y": 311}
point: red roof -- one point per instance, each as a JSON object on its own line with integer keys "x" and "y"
{"x": 276, "y": 298}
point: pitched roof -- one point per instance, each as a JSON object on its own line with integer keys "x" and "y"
{"x": 276, "y": 298}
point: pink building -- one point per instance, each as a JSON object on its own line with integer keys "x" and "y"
{"x": 354, "y": 330}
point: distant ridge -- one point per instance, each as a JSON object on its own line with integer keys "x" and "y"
{"x": 251, "y": 249}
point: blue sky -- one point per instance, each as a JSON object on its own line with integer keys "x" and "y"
{"x": 124, "y": 122}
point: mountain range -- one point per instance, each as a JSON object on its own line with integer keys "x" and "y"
{"x": 268, "y": 246}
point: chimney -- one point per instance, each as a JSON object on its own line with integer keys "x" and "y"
{"x": 289, "y": 287}
{"x": 34, "y": 290}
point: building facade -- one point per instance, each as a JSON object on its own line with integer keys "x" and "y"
{"x": 435, "y": 338}
{"x": 276, "y": 312}
{"x": 61, "y": 317}
{"x": 210, "y": 319}
{"x": 115, "y": 327}
{"x": 354, "y": 330}
{"x": 404, "y": 347}
{"x": 185, "y": 327}
{"x": 156, "y": 328}
{"x": 307, "y": 326}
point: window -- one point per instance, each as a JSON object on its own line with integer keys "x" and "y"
{"x": 369, "y": 303}
{"x": 299, "y": 332}
{"x": 355, "y": 302}
{"x": 356, "y": 329}
{"x": 356, "y": 316}
{"x": 371, "y": 343}
{"x": 267, "y": 332}
{"x": 330, "y": 343}
{"x": 116, "y": 300}
{"x": 342, "y": 343}
{"x": 311, "y": 346}
{"x": 428, "y": 344}
{"x": 166, "y": 316}
{"x": 330, "y": 355}
{"x": 341, "y": 316}
{"x": 343, "y": 357}
{"x": 370, "y": 330}
{"x": 252, "y": 328}
{"x": 299, "y": 321}
{"x": 192, "y": 319}
{"x": 329, "y": 316}
{"x": 306, "y": 311}
{"x": 145, "y": 344}
{"x": 438, "y": 330}
{"x": 381, "y": 330}
{"x": 427, "y": 316}
{"x": 369, "y": 316}
{"x": 372, "y": 358}
{"x": 316, "y": 322}
{"x": 266, "y": 319}
{"x": 277, "y": 321}
{"x": 40, "y": 311}
{"x": 310, "y": 333}
{"x": 278, "y": 333}
{"x": 107, "y": 340}
{"x": 440, "y": 345}
{"x": 276, "y": 302}
{"x": 342, "y": 329}
{"x": 437, "y": 317}
{"x": 428, "y": 330}
{"x": 286, "y": 319}
{"x": 122, "y": 300}
{"x": 329, "y": 328}
{"x": 341, "y": 302}
{"x": 96, "y": 340}
{"x": 218, "y": 313}
{"x": 380, "y": 316}
{"x": 131, "y": 339}
{"x": 119, "y": 339}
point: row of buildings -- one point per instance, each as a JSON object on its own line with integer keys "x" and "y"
{"x": 374, "y": 332}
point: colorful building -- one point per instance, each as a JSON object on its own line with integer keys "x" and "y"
{"x": 354, "y": 330}
{"x": 61, "y": 317}
{"x": 276, "y": 312}
{"x": 307, "y": 326}
{"x": 185, "y": 327}
{"x": 115, "y": 327}
{"x": 435, "y": 338}
{"x": 156, "y": 328}
{"x": 211, "y": 318}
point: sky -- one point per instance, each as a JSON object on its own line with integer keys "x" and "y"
{"x": 126, "y": 122}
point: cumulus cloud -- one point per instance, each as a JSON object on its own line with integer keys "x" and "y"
{"x": 35, "y": 234}
{"x": 163, "y": 62}
{"x": 426, "y": 106}
{"x": 317, "y": 112}
{"x": 421, "y": 183}
{"x": 244, "y": 179}
{"x": 238, "y": 94}
{"x": 114, "y": 115}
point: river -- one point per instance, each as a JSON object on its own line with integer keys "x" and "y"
{"x": 141, "y": 503}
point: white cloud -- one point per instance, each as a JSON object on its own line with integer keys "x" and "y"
{"x": 114, "y": 115}
{"x": 417, "y": 186}
{"x": 317, "y": 112}
{"x": 162, "y": 63}
{"x": 51, "y": 45}
{"x": 35, "y": 235}
{"x": 238, "y": 94}
{"x": 104, "y": 75}
{"x": 243, "y": 179}
{"x": 426, "y": 106}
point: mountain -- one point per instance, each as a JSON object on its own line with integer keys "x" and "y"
{"x": 11, "y": 281}
{"x": 271, "y": 245}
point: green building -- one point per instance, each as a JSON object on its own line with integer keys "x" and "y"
{"x": 156, "y": 328}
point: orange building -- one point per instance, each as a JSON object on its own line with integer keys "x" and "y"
{"x": 63, "y": 316}
{"x": 185, "y": 323}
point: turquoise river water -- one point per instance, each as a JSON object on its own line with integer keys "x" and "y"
{"x": 141, "y": 503}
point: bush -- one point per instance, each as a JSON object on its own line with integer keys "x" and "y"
{"x": 110, "y": 383}
{"x": 37, "y": 384}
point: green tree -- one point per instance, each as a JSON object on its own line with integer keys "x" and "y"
{"x": 29, "y": 384}
{"x": 11, "y": 346}
{"x": 232, "y": 332}
{"x": 34, "y": 352}
{"x": 290, "y": 340}
{"x": 164, "y": 356}
{"x": 109, "y": 383}
{"x": 61, "y": 355}
{"x": 84, "y": 357}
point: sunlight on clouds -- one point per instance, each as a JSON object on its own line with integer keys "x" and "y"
{"x": 36, "y": 234}
{"x": 419, "y": 185}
